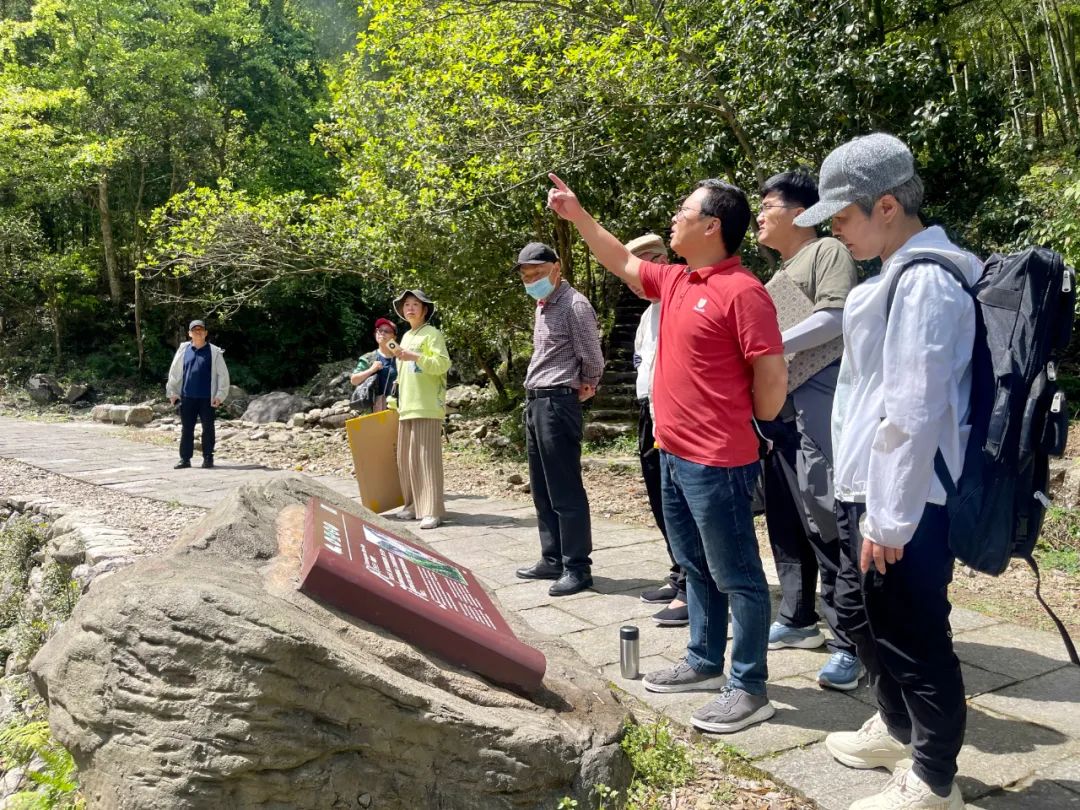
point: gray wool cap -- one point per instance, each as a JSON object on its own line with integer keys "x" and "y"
{"x": 861, "y": 169}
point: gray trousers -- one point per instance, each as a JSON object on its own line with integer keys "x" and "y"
{"x": 799, "y": 507}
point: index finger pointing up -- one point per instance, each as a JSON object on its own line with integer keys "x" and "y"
{"x": 559, "y": 184}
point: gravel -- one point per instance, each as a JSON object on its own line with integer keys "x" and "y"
{"x": 151, "y": 524}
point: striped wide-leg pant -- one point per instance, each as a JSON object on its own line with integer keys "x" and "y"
{"x": 420, "y": 467}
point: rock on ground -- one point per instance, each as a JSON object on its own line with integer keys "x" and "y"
{"x": 203, "y": 678}
{"x": 43, "y": 389}
{"x": 278, "y": 406}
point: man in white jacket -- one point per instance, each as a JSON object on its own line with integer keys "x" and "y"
{"x": 903, "y": 394}
{"x": 199, "y": 380}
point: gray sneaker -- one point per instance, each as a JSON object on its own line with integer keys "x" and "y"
{"x": 682, "y": 678}
{"x": 732, "y": 710}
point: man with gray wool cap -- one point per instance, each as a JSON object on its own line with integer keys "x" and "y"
{"x": 902, "y": 399}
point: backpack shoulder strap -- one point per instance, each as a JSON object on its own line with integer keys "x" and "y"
{"x": 1070, "y": 648}
{"x": 925, "y": 257}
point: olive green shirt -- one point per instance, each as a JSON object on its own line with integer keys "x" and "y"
{"x": 825, "y": 271}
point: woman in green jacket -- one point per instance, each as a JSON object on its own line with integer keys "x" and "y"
{"x": 422, "y": 363}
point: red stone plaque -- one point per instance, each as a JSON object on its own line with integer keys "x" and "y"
{"x": 423, "y": 598}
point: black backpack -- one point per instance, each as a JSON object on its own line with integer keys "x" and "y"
{"x": 1024, "y": 312}
{"x": 363, "y": 396}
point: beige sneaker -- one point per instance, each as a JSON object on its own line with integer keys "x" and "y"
{"x": 906, "y": 791}
{"x": 872, "y": 746}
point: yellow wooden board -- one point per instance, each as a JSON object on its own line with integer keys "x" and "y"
{"x": 373, "y": 441}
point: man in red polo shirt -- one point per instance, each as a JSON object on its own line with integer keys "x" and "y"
{"x": 719, "y": 364}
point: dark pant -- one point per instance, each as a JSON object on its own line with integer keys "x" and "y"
{"x": 192, "y": 409}
{"x": 799, "y": 550}
{"x": 900, "y": 623}
{"x": 711, "y": 523}
{"x": 553, "y": 427}
{"x": 649, "y": 455}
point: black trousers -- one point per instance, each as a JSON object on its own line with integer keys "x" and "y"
{"x": 553, "y": 426}
{"x": 649, "y": 455}
{"x": 900, "y": 623}
{"x": 194, "y": 409}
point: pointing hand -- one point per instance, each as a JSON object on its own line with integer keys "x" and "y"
{"x": 562, "y": 200}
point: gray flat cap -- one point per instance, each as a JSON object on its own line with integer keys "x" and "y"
{"x": 861, "y": 169}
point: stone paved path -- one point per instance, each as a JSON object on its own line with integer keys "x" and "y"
{"x": 1023, "y": 741}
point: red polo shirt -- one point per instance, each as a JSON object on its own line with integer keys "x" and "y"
{"x": 714, "y": 322}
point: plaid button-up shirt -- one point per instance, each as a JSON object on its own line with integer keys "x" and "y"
{"x": 566, "y": 342}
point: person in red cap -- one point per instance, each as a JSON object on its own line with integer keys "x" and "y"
{"x": 379, "y": 364}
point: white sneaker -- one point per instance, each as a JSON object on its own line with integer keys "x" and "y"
{"x": 906, "y": 791}
{"x": 405, "y": 514}
{"x": 872, "y": 746}
{"x": 430, "y": 522}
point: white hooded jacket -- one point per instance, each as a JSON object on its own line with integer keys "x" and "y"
{"x": 904, "y": 391}
{"x": 219, "y": 373}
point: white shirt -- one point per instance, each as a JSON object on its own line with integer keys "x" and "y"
{"x": 904, "y": 392}
{"x": 645, "y": 340}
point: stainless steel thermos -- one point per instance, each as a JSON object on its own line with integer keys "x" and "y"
{"x": 628, "y": 651}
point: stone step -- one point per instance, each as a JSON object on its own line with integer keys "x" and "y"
{"x": 603, "y": 431}
{"x": 612, "y": 414}
{"x": 622, "y": 405}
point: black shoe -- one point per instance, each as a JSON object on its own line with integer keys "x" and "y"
{"x": 571, "y": 582}
{"x": 182, "y": 464}
{"x": 207, "y": 463}
{"x": 673, "y": 617}
{"x": 540, "y": 570}
{"x": 660, "y": 596}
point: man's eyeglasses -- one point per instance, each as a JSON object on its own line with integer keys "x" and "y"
{"x": 683, "y": 210}
{"x": 770, "y": 206}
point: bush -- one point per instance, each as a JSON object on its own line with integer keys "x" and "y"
{"x": 18, "y": 543}
{"x": 55, "y": 783}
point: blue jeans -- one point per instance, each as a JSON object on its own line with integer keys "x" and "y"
{"x": 711, "y": 528}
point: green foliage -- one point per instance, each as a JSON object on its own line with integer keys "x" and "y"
{"x": 1059, "y": 540}
{"x": 55, "y": 784}
{"x": 230, "y": 156}
{"x": 1052, "y": 197}
{"x": 625, "y": 444}
{"x": 660, "y": 761}
{"x": 18, "y": 543}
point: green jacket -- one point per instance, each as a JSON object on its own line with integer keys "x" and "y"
{"x": 422, "y": 383}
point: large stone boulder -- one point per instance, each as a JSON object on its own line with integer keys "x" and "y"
{"x": 278, "y": 406}
{"x": 462, "y": 397}
{"x": 331, "y": 383}
{"x": 203, "y": 678}
{"x": 43, "y": 389}
{"x": 236, "y": 402}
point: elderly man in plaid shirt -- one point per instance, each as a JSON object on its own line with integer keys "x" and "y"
{"x": 564, "y": 371}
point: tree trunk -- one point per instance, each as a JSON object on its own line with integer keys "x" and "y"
{"x": 1033, "y": 75}
{"x": 1064, "y": 59}
{"x": 57, "y": 342}
{"x": 485, "y": 366}
{"x": 1065, "y": 114}
{"x": 112, "y": 270}
{"x": 564, "y": 246}
{"x": 136, "y": 258}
